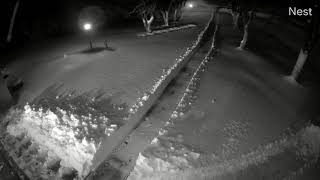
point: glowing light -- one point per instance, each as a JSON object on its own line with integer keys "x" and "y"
{"x": 87, "y": 26}
{"x": 190, "y": 5}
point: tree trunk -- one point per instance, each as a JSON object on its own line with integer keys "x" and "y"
{"x": 216, "y": 28}
{"x": 312, "y": 35}
{"x": 235, "y": 18}
{"x": 302, "y": 58}
{"x": 147, "y": 23}
{"x": 215, "y": 35}
{"x": 15, "y": 10}
{"x": 235, "y": 12}
{"x": 165, "y": 16}
{"x": 148, "y": 29}
{"x": 244, "y": 41}
{"x": 175, "y": 15}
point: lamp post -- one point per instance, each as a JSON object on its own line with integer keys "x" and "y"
{"x": 88, "y": 27}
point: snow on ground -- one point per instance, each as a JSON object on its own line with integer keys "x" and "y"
{"x": 121, "y": 73}
{"x": 242, "y": 108}
{"x": 164, "y": 164}
{"x": 63, "y": 142}
{"x": 68, "y": 131}
{"x": 63, "y": 128}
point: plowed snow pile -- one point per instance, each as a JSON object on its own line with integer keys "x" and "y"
{"x": 59, "y": 140}
{"x": 59, "y": 136}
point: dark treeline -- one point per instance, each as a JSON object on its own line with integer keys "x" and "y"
{"x": 37, "y": 18}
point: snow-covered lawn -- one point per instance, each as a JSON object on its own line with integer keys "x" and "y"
{"x": 124, "y": 73}
{"x": 62, "y": 126}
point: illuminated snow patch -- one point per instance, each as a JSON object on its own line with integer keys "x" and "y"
{"x": 155, "y": 141}
{"x": 58, "y": 135}
{"x": 146, "y": 167}
{"x": 45, "y": 129}
{"x": 159, "y": 158}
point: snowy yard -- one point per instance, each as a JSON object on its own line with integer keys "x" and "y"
{"x": 72, "y": 99}
{"x": 120, "y": 73}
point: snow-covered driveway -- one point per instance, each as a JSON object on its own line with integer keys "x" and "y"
{"x": 234, "y": 123}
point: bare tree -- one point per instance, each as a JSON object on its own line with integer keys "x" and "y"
{"x": 164, "y": 7}
{"x": 242, "y": 14}
{"x": 246, "y": 20}
{"x": 312, "y": 36}
{"x": 13, "y": 17}
{"x": 146, "y": 10}
{"x": 177, "y": 5}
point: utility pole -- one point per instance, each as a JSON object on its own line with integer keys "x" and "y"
{"x": 13, "y": 17}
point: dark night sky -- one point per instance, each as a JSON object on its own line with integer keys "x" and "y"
{"x": 36, "y": 18}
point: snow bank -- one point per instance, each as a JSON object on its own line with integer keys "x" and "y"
{"x": 67, "y": 130}
{"x": 167, "y": 30}
{"x": 45, "y": 129}
{"x": 162, "y": 160}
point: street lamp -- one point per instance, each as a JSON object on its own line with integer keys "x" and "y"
{"x": 190, "y": 5}
{"x": 88, "y": 27}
